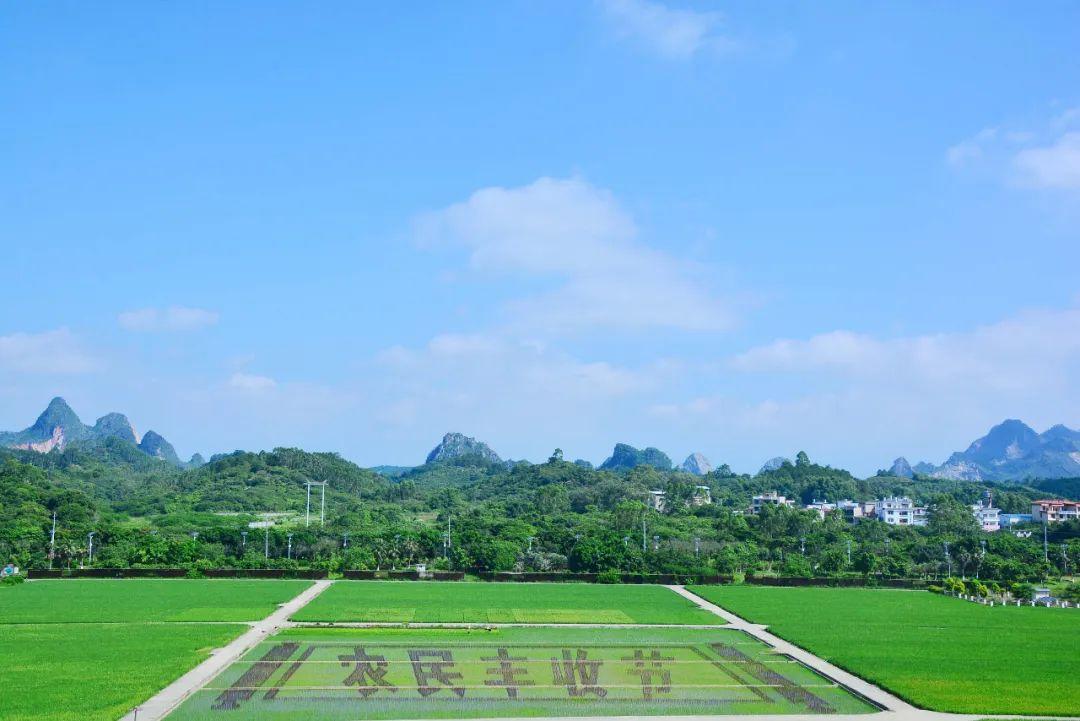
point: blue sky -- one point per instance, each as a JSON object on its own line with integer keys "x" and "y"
{"x": 737, "y": 228}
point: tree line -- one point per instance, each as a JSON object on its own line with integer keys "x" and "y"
{"x": 468, "y": 514}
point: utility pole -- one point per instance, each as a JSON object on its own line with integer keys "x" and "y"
{"x": 90, "y": 538}
{"x": 849, "y": 551}
{"x": 802, "y": 545}
{"x": 289, "y": 552}
{"x": 52, "y": 541}
{"x": 243, "y": 540}
{"x": 322, "y": 503}
{"x": 948, "y": 558}
{"x": 266, "y": 542}
{"x": 345, "y": 541}
{"x": 697, "y": 546}
{"x": 644, "y": 548}
{"x": 1046, "y": 548}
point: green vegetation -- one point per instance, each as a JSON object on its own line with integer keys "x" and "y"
{"x": 937, "y": 652}
{"x": 334, "y": 674}
{"x": 553, "y": 516}
{"x": 137, "y": 600}
{"x": 84, "y": 650}
{"x": 434, "y": 602}
{"x": 96, "y": 672}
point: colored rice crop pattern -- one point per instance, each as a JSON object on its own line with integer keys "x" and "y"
{"x": 132, "y": 600}
{"x": 341, "y": 674}
{"x": 96, "y": 672}
{"x": 936, "y": 652}
{"x": 434, "y": 602}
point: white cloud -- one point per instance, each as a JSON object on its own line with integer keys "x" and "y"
{"x": 480, "y": 361}
{"x": 1052, "y": 166}
{"x": 573, "y": 231}
{"x": 251, "y": 383}
{"x": 972, "y": 149}
{"x": 495, "y": 386}
{"x": 859, "y": 400}
{"x": 1036, "y": 350}
{"x": 173, "y": 318}
{"x": 671, "y": 33}
{"x": 1047, "y": 157}
{"x": 55, "y": 351}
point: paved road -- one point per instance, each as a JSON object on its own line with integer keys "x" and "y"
{"x": 171, "y": 696}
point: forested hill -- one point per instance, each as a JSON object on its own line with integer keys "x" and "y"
{"x": 145, "y": 511}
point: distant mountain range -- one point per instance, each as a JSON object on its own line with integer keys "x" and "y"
{"x": 1011, "y": 450}
{"x": 59, "y": 427}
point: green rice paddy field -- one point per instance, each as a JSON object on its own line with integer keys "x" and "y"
{"x": 342, "y": 674}
{"x": 91, "y": 650}
{"x": 936, "y": 652}
{"x": 131, "y": 600}
{"x": 96, "y": 672}
{"x": 434, "y": 602}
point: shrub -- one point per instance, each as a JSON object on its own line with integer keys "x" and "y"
{"x": 955, "y": 585}
{"x": 1071, "y": 592}
{"x": 1023, "y": 591}
{"x": 609, "y": 576}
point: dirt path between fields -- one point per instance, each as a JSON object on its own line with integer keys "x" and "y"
{"x": 170, "y": 697}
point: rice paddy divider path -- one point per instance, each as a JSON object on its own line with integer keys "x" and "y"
{"x": 494, "y": 624}
{"x": 170, "y": 697}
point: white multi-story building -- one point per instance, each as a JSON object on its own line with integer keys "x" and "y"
{"x": 1052, "y": 511}
{"x": 900, "y": 511}
{"x": 702, "y": 496}
{"x": 772, "y": 498}
{"x": 989, "y": 518}
{"x": 821, "y": 507}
